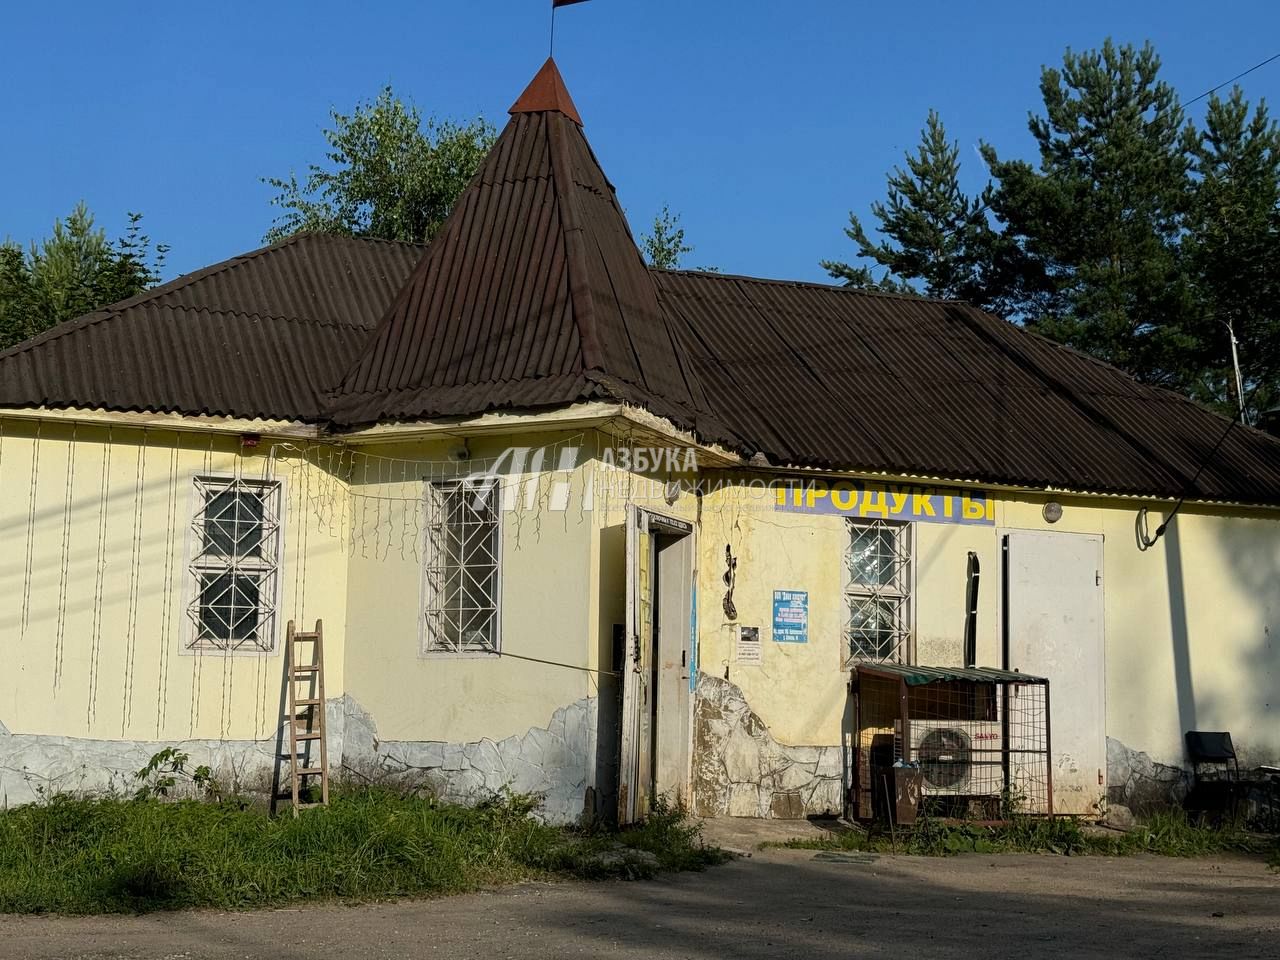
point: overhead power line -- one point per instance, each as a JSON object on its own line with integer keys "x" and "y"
{"x": 1238, "y": 76}
{"x": 983, "y": 208}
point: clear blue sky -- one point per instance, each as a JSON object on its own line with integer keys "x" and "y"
{"x": 762, "y": 123}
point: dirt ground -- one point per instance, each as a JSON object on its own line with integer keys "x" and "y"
{"x": 775, "y": 903}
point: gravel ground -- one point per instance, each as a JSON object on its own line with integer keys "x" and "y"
{"x": 775, "y": 903}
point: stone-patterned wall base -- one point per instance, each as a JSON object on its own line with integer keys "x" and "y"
{"x": 557, "y": 761}
{"x": 740, "y": 770}
{"x": 1140, "y": 783}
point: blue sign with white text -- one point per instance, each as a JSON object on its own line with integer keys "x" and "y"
{"x": 790, "y": 616}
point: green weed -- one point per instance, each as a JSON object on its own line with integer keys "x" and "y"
{"x": 1169, "y": 834}
{"x": 112, "y": 855}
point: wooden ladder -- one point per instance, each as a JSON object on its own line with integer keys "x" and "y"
{"x": 306, "y": 714}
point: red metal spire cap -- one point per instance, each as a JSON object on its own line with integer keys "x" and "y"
{"x": 547, "y": 94}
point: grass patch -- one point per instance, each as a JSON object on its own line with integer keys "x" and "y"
{"x": 1169, "y": 834}
{"x": 112, "y": 855}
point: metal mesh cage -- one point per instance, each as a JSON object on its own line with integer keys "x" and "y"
{"x": 979, "y": 739}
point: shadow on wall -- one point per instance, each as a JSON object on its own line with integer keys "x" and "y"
{"x": 1245, "y": 557}
{"x": 613, "y": 611}
{"x": 1254, "y": 565}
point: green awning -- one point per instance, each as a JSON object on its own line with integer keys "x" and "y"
{"x": 916, "y": 675}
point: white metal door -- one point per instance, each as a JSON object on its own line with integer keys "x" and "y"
{"x": 1055, "y": 630}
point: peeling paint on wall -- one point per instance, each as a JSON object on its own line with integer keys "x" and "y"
{"x": 1140, "y": 783}
{"x": 740, "y": 770}
{"x": 551, "y": 761}
{"x": 554, "y": 761}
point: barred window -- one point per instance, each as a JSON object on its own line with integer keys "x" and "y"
{"x": 462, "y": 563}
{"x": 235, "y": 564}
{"x": 878, "y": 590}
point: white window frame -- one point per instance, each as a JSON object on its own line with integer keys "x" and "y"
{"x": 903, "y": 591}
{"x": 429, "y": 646}
{"x": 194, "y": 565}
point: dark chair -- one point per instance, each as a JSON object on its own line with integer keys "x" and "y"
{"x": 1216, "y": 784}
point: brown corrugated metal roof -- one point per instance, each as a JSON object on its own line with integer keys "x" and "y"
{"x": 534, "y": 296}
{"x": 266, "y": 334}
{"x": 827, "y": 377}
{"x": 535, "y": 277}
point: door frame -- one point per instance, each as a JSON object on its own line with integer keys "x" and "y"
{"x": 635, "y": 786}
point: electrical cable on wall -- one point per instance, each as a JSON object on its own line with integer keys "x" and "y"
{"x": 31, "y": 536}
{"x": 95, "y": 641}
{"x": 59, "y": 643}
{"x": 1148, "y": 541}
{"x": 135, "y": 575}
{"x": 167, "y": 634}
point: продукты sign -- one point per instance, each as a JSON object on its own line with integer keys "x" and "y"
{"x": 853, "y": 499}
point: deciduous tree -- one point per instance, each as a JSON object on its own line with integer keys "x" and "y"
{"x": 388, "y": 174}
{"x": 664, "y": 245}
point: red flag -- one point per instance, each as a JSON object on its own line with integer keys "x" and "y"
{"x": 564, "y": 3}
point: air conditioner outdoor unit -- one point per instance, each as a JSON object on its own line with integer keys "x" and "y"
{"x": 958, "y": 757}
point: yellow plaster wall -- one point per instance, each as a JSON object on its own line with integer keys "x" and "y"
{"x": 1188, "y": 624}
{"x": 546, "y": 590}
{"x": 101, "y": 656}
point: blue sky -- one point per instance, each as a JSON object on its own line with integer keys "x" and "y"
{"x": 762, "y": 123}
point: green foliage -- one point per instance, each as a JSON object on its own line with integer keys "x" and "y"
{"x": 670, "y": 835}
{"x": 1132, "y": 236}
{"x": 1169, "y": 834}
{"x": 389, "y": 174}
{"x": 1093, "y": 260}
{"x": 1232, "y": 251}
{"x": 73, "y": 272}
{"x": 116, "y": 855}
{"x": 936, "y": 234}
{"x": 664, "y": 247}
{"x": 167, "y": 769}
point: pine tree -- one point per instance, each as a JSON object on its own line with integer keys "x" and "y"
{"x": 73, "y": 272}
{"x": 1232, "y": 252}
{"x": 1090, "y": 242}
{"x": 936, "y": 234}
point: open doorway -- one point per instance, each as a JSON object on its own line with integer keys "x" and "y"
{"x": 656, "y": 695}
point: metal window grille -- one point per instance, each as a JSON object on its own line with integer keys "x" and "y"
{"x": 463, "y": 554}
{"x": 235, "y": 564}
{"x": 878, "y": 590}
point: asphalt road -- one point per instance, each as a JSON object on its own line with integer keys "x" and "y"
{"x": 778, "y": 903}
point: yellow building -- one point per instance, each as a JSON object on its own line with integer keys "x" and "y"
{"x": 585, "y": 529}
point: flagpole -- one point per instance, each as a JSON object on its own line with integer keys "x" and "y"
{"x": 553, "y": 30}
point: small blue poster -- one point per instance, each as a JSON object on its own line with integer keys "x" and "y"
{"x": 790, "y": 616}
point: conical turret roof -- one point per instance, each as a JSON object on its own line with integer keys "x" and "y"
{"x": 534, "y": 291}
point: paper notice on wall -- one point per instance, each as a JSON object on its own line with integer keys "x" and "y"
{"x": 748, "y": 650}
{"x": 790, "y": 616}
